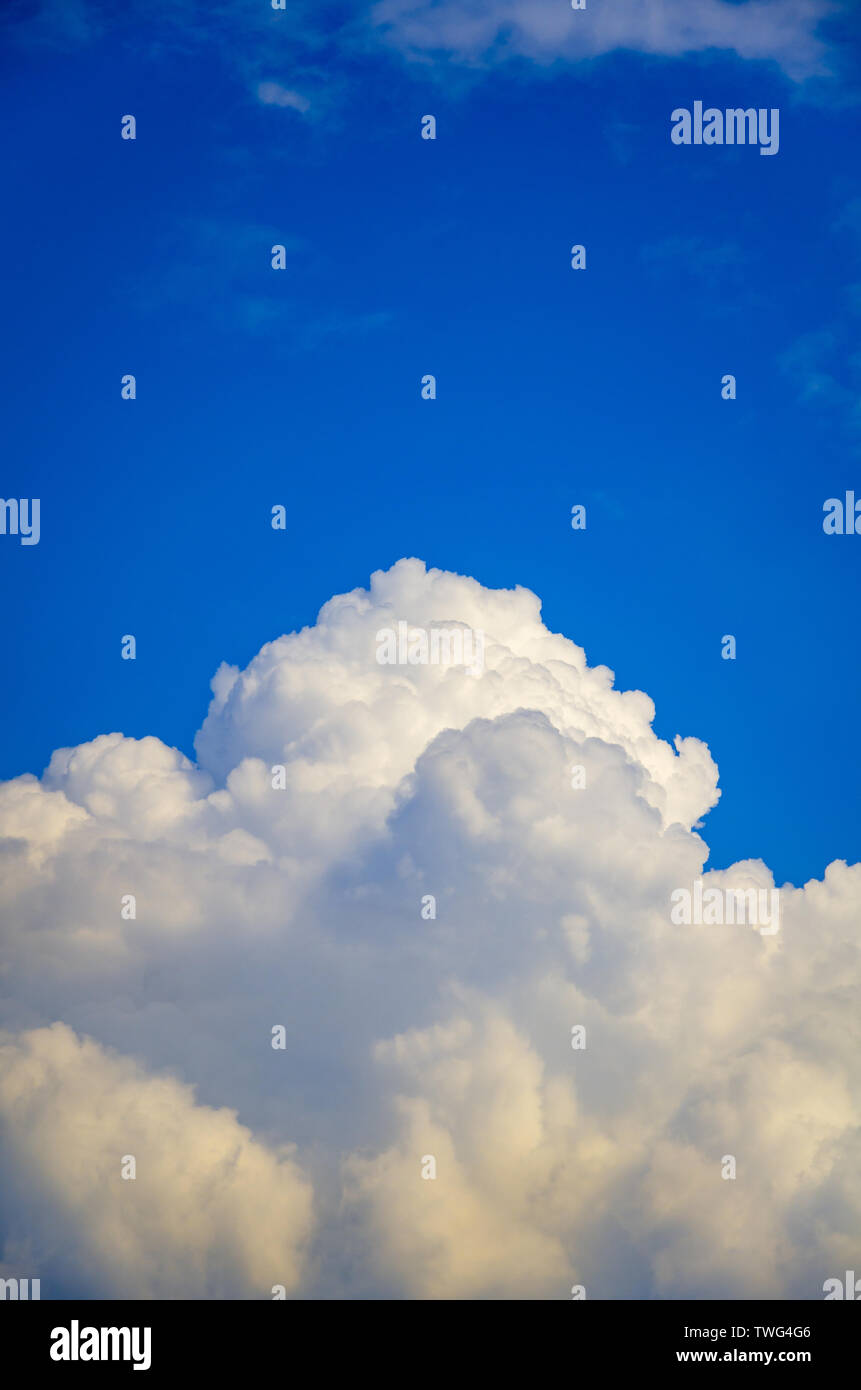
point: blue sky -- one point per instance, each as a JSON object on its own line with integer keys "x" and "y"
{"x": 405, "y": 257}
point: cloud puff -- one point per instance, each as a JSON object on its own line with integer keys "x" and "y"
{"x": 272, "y": 94}
{"x": 344, "y": 724}
{"x": 428, "y": 900}
{"x": 209, "y": 1213}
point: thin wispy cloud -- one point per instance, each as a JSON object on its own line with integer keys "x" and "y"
{"x": 480, "y": 33}
{"x": 494, "y": 31}
{"x": 273, "y": 94}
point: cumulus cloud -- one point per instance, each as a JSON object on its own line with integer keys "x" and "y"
{"x": 428, "y": 900}
{"x": 211, "y": 1213}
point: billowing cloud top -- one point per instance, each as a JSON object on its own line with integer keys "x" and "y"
{"x": 434, "y": 880}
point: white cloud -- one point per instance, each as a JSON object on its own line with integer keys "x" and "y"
{"x": 406, "y": 1036}
{"x": 209, "y": 1213}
